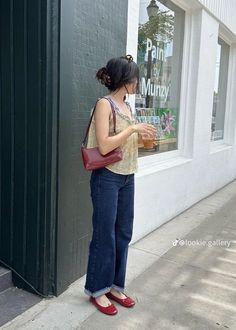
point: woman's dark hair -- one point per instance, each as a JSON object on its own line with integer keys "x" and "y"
{"x": 118, "y": 72}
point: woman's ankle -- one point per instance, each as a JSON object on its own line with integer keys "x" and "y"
{"x": 117, "y": 293}
{"x": 103, "y": 300}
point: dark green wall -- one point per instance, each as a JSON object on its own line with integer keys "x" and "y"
{"x": 28, "y": 133}
{"x": 50, "y": 51}
{"x": 91, "y": 33}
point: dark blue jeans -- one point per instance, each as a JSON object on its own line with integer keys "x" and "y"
{"x": 113, "y": 212}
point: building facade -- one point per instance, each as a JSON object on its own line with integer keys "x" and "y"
{"x": 193, "y": 47}
{"x": 50, "y": 51}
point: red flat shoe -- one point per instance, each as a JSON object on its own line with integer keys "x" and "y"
{"x": 109, "y": 310}
{"x": 126, "y": 302}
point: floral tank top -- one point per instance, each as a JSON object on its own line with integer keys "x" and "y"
{"x": 129, "y": 163}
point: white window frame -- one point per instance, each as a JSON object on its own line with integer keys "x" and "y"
{"x": 230, "y": 117}
{"x": 183, "y": 153}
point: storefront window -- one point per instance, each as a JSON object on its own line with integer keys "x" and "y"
{"x": 160, "y": 46}
{"x": 220, "y": 88}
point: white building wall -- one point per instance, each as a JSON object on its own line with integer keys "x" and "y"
{"x": 171, "y": 182}
{"x": 224, "y": 10}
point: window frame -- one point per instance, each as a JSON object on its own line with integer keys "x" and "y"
{"x": 225, "y": 72}
{"x": 230, "y": 118}
{"x": 176, "y": 152}
{"x": 155, "y": 162}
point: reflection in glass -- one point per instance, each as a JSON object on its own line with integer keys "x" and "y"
{"x": 220, "y": 89}
{"x": 160, "y": 44}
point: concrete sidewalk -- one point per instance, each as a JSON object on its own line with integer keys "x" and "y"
{"x": 183, "y": 276}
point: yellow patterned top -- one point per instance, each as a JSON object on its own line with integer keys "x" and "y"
{"x": 129, "y": 163}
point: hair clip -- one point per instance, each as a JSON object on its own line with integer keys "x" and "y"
{"x": 128, "y": 57}
{"x": 108, "y": 80}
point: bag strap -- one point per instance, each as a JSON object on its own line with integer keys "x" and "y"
{"x": 91, "y": 118}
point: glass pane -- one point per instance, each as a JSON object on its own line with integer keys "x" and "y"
{"x": 160, "y": 45}
{"x": 220, "y": 89}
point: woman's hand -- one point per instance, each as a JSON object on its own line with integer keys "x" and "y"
{"x": 146, "y": 129}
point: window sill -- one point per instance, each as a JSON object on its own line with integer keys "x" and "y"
{"x": 156, "y": 163}
{"x": 218, "y": 146}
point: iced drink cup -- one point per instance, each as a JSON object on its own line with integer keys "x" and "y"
{"x": 148, "y": 142}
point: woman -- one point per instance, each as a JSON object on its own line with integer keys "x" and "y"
{"x": 112, "y": 187}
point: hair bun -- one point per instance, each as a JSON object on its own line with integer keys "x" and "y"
{"x": 103, "y": 76}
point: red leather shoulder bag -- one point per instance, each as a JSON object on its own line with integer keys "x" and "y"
{"x": 92, "y": 158}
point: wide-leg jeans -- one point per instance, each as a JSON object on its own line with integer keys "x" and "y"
{"x": 113, "y": 212}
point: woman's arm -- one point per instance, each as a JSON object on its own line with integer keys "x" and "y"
{"x": 107, "y": 143}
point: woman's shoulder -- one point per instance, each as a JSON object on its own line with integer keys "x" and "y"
{"x": 103, "y": 106}
{"x": 104, "y": 100}
{"x": 104, "y": 103}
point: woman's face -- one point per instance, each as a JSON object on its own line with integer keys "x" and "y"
{"x": 132, "y": 87}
